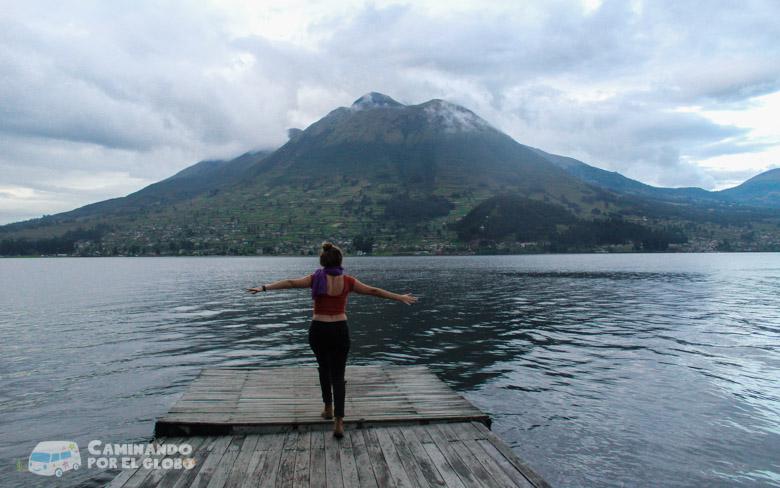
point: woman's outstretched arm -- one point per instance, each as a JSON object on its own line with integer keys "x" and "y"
{"x": 304, "y": 282}
{"x": 378, "y": 292}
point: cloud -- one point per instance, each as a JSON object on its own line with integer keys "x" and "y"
{"x": 603, "y": 86}
{"x": 138, "y": 94}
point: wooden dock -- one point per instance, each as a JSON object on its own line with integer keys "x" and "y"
{"x": 268, "y": 400}
{"x": 261, "y": 427}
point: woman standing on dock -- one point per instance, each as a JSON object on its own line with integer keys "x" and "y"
{"x": 328, "y": 333}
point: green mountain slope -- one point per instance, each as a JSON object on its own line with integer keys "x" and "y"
{"x": 405, "y": 178}
{"x": 761, "y": 191}
{"x": 202, "y": 177}
{"x": 620, "y": 184}
{"x": 419, "y": 148}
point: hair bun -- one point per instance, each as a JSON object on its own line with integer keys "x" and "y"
{"x": 327, "y": 246}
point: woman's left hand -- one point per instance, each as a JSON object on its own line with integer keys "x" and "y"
{"x": 254, "y": 291}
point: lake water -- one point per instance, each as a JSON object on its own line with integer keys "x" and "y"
{"x": 598, "y": 370}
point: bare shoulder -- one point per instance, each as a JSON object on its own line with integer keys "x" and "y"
{"x": 361, "y": 288}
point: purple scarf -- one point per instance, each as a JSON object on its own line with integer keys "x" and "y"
{"x": 319, "y": 284}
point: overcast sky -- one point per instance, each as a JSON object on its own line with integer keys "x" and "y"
{"x": 101, "y": 98}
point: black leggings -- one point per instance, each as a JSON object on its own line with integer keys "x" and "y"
{"x": 330, "y": 343}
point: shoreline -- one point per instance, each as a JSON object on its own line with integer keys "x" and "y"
{"x": 394, "y": 255}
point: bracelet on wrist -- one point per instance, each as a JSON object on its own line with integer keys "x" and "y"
{"x": 264, "y": 288}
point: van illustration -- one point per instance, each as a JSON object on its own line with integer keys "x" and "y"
{"x": 54, "y": 457}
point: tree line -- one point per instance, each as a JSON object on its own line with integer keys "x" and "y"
{"x": 522, "y": 219}
{"x": 64, "y": 244}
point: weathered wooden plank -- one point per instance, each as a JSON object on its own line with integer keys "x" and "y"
{"x": 422, "y": 433}
{"x": 397, "y": 469}
{"x": 349, "y": 471}
{"x": 258, "y": 393}
{"x": 242, "y": 465}
{"x": 126, "y": 474}
{"x": 208, "y": 397}
{"x": 235, "y": 416}
{"x": 366, "y": 397}
{"x": 448, "y": 432}
{"x": 333, "y": 471}
{"x": 264, "y": 391}
{"x": 362, "y": 461}
{"x": 453, "y": 459}
{"x": 211, "y": 462}
{"x": 246, "y": 425}
{"x": 232, "y": 371}
{"x": 407, "y": 457}
{"x": 178, "y": 478}
{"x": 211, "y": 392}
{"x": 286, "y": 475}
{"x": 513, "y": 458}
{"x": 451, "y": 478}
{"x": 474, "y": 464}
{"x": 156, "y": 473}
{"x": 158, "y": 476}
{"x": 203, "y": 407}
{"x": 302, "y": 460}
{"x": 220, "y": 475}
{"x": 187, "y": 477}
{"x": 220, "y": 380}
{"x": 251, "y": 478}
{"x": 141, "y": 474}
{"x": 384, "y": 477}
{"x": 466, "y": 431}
{"x": 369, "y": 370}
{"x": 272, "y": 464}
{"x": 516, "y": 476}
{"x": 250, "y": 419}
{"x": 184, "y": 417}
{"x": 499, "y": 476}
{"x": 318, "y": 474}
{"x": 225, "y": 387}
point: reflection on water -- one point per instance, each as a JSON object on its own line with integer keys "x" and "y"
{"x": 631, "y": 370}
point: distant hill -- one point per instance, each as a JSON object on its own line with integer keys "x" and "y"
{"x": 200, "y": 178}
{"x": 618, "y": 183}
{"x": 433, "y": 177}
{"x": 762, "y": 190}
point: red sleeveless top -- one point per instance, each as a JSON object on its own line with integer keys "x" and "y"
{"x": 334, "y": 305}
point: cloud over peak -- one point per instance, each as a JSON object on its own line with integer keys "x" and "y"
{"x": 639, "y": 87}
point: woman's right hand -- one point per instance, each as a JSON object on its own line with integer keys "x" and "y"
{"x": 407, "y": 299}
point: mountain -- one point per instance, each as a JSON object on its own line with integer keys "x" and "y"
{"x": 405, "y": 178}
{"x": 760, "y": 191}
{"x": 419, "y": 148}
{"x": 200, "y": 178}
{"x": 188, "y": 183}
{"x": 620, "y": 184}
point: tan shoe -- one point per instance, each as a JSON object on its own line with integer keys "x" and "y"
{"x": 327, "y": 412}
{"x": 338, "y": 428}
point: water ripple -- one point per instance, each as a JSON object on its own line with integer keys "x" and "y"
{"x": 599, "y": 370}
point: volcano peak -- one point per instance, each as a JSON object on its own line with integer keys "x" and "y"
{"x": 374, "y": 100}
